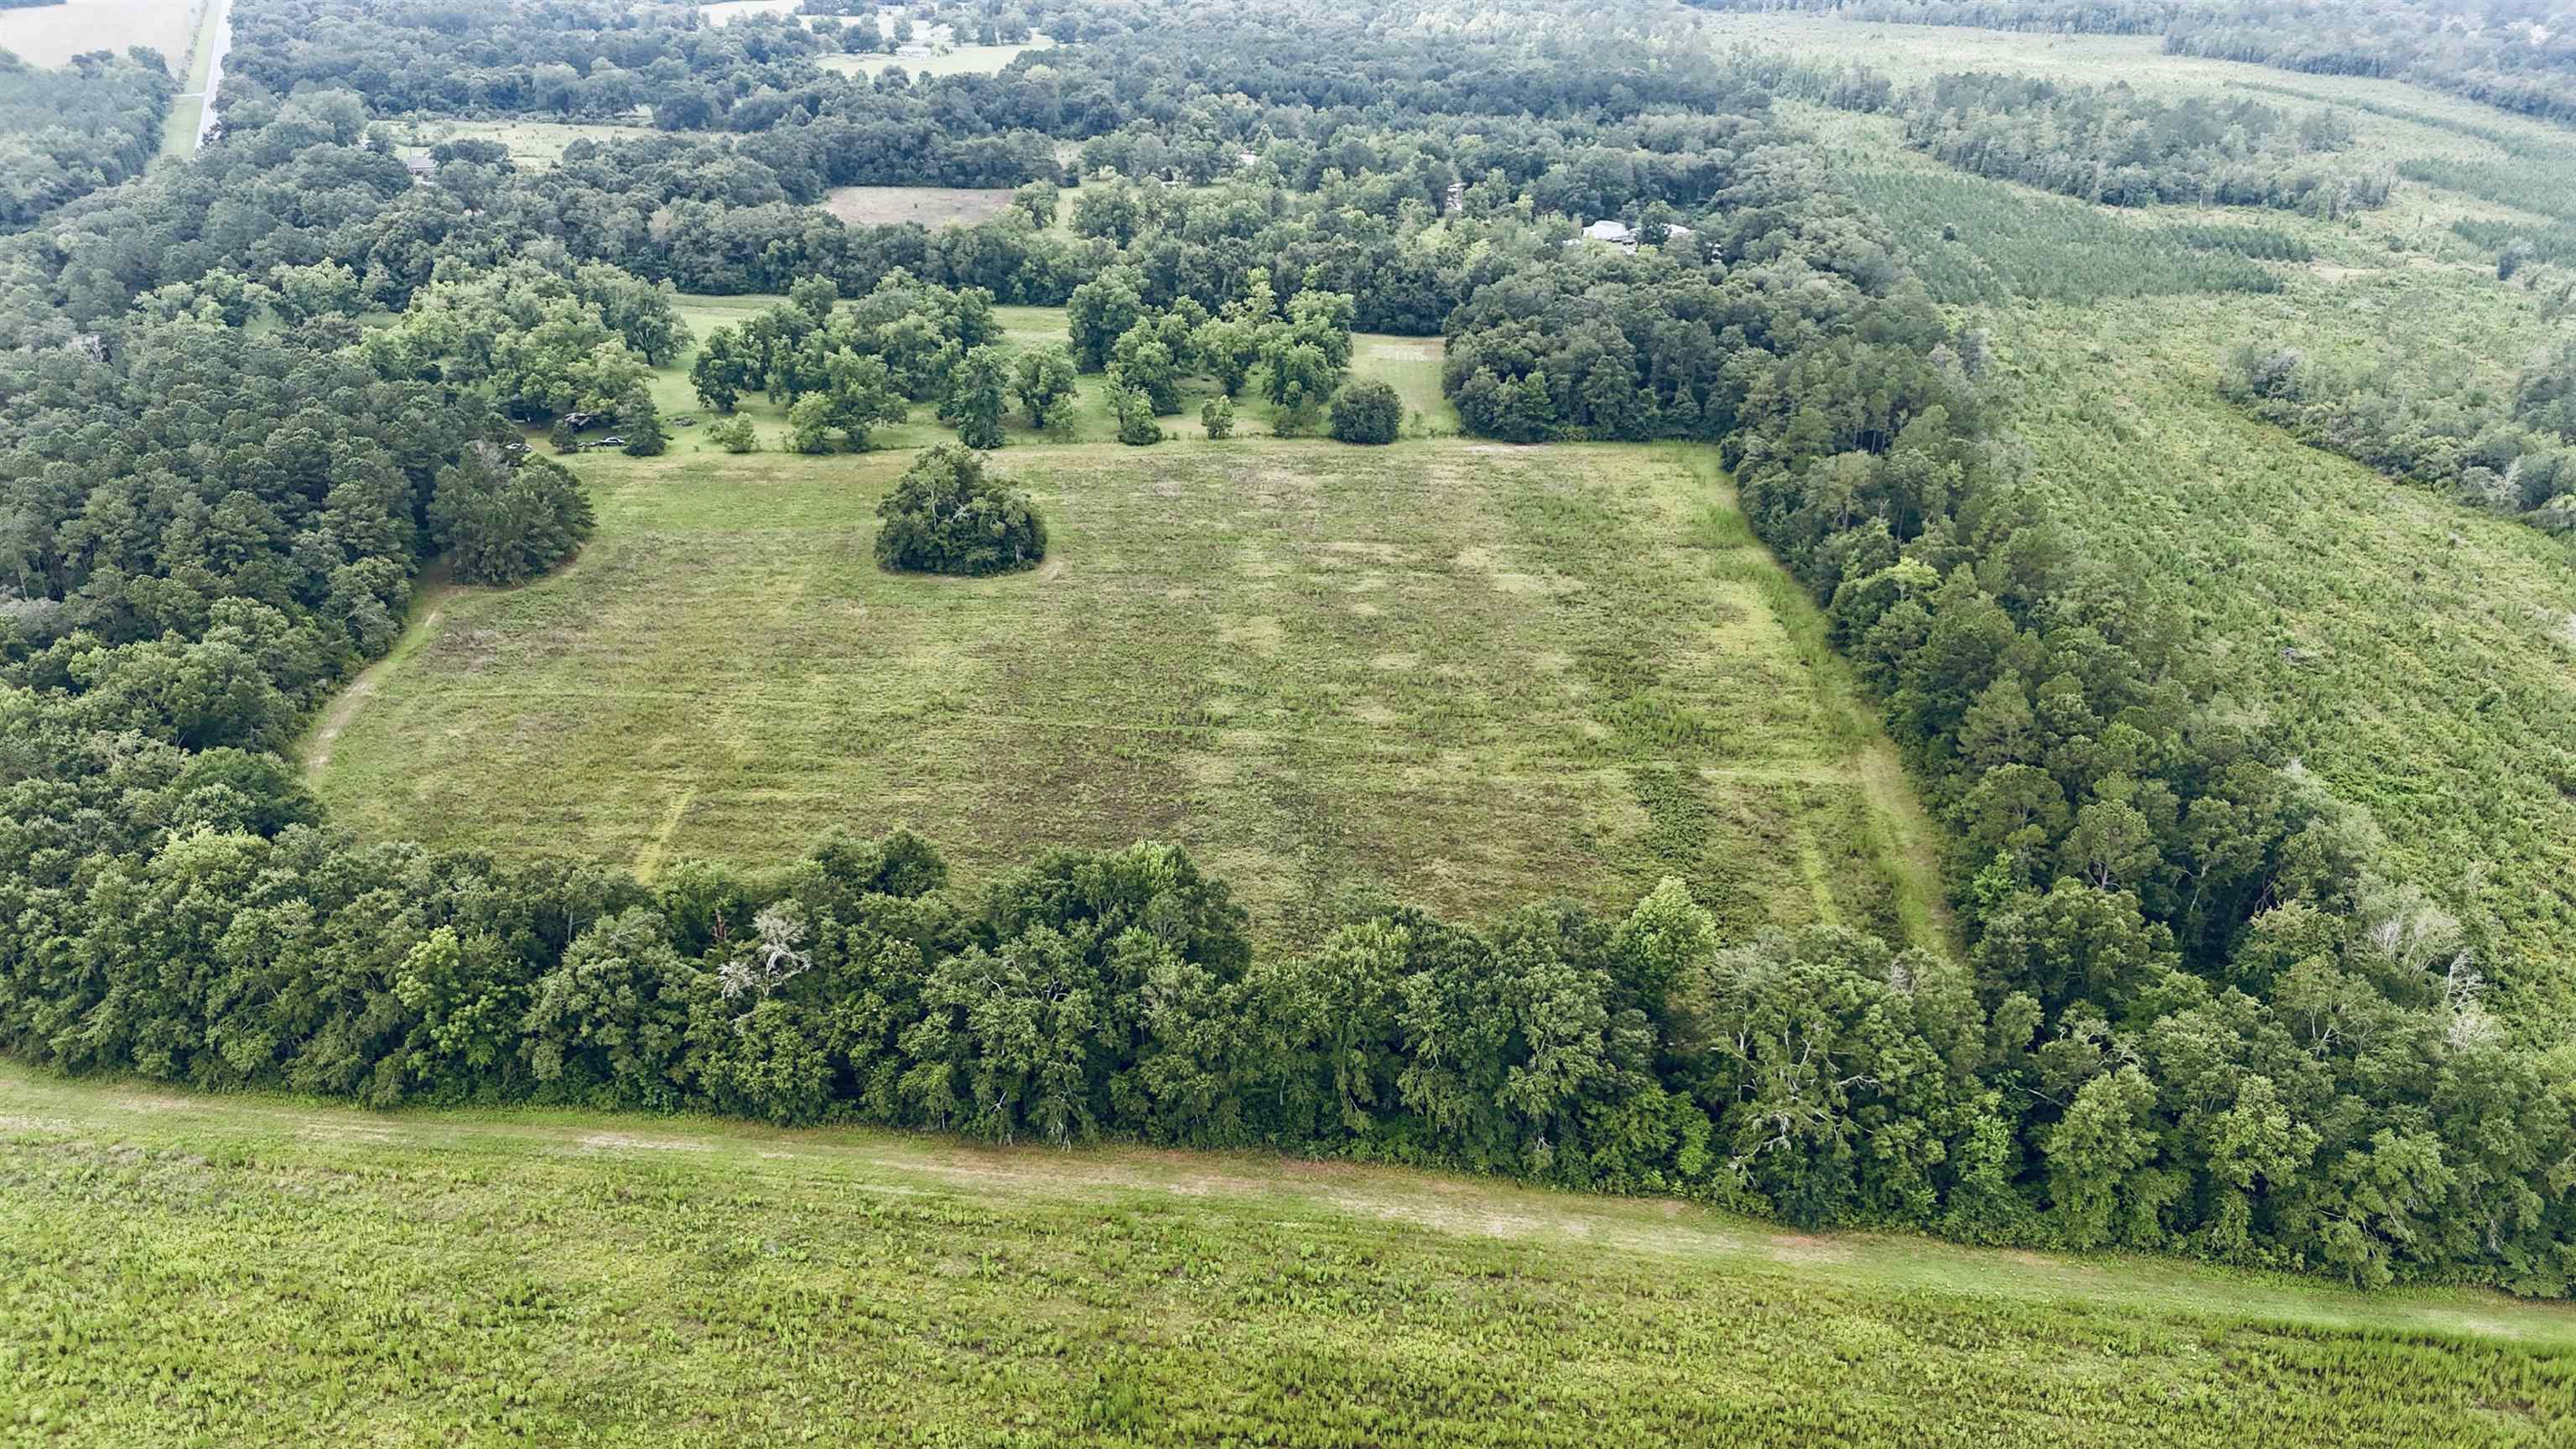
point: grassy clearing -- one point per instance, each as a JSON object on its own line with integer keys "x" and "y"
{"x": 929, "y": 206}
{"x": 718, "y": 14}
{"x": 532, "y": 144}
{"x": 2419, "y": 652}
{"x": 196, "y": 64}
{"x": 947, "y": 60}
{"x": 189, "y": 1270}
{"x": 1459, "y": 675}
{"x": 53, "y": 34}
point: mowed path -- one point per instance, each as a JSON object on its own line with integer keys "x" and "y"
{"x": 248, "y": 1269}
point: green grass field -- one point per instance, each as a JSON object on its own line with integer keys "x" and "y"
{"x": 1452, "y": 674}
{"x": 535, "y": 145}
{"x": 184, "y": 1270}
{"x": 952, "y": 60}
{"x": 929, "y": 206}
{"x": 194, "y": 63}
{"x": 51, "y": 35}
{"x": 2422, "y": 654}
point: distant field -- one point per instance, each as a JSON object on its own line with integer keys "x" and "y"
{"x": 1458, "y": 675}
{"x": 931, "y": 206}
{"x": 718, "y": 14}
{"x": 187, "y": 1270}
{"x": 532, "y": 144}
{"x": 2421, "y": 654}
{"x": 53, "y": 34}
{"x": 954, "y": 60}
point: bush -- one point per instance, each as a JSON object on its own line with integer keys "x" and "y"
{"x": 948, "y": 516}
{"x": 735, "y": 435}
{"x": 1367, "y": 412}
{"x": 1217, "y": 416}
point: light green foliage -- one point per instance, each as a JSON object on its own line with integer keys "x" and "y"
{"x": 1044, "y": 381}
{"x": 976, "y": 396}
{"x": 1133, "y": 1295}
{"x": 1216, "y": 416}
{"x": 1363, "y": 625}
{"x": 1134, "y": 409}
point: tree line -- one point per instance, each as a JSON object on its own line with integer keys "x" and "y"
{"x": 2137, "y": 865}
{"x": 2506, "y": 54}
{"x": 66, "y": 133}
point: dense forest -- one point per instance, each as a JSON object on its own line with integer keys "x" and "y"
{"x": 66, "y": 133}
{"x": 2193, "y": 1014}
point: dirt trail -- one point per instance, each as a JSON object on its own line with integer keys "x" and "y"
{"x": 316, "y": 748}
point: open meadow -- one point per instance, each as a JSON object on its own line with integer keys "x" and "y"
{"x": 2420, "y": 654}
{"x": 53, "y": 34}
{"x": 945, "y": 60}
{"x": 929, "y": 206}
{"x": 1458, "y": 675}
{"x": 247, "y": 1270}
{"x": 532, "y": 144}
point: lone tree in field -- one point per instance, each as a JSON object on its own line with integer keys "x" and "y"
{"x": 946, "y": 515}
{"x": 1367, "y": 412}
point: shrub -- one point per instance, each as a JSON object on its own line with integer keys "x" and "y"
{"x": 735, "y": 435}
{"x": 1367, "y": 412}
{"x": 948, "y": 516}
{"x": 1217, "y": 416}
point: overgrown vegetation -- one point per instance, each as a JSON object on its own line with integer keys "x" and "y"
{"x": 1140, "y": 1296}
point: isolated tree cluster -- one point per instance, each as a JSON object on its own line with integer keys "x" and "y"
{"x": 949, "y": 515}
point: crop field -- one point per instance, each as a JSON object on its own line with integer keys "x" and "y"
{"x": 243, "y": 1270}
{"x": 1448, "y": 674}
{"x": 930, "y": 206}
{"x": 53, "y": 34}
{"x": 2422, "y": 654}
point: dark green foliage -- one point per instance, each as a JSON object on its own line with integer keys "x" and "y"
{"x": 504, "y": 520}
{"x": 2512, "y": 456}
{"x": 2110, "y": 145}
{"x": 1367, "y": 412}
{"x": 65, "y": 133}
{"x": 947, "y": 515}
